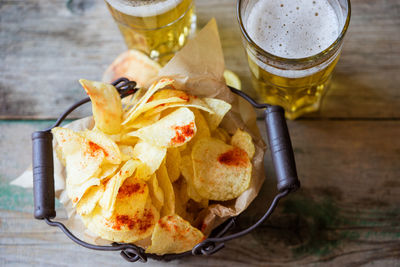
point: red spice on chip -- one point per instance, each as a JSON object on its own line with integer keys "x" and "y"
{"x": 182, "y": 133}
{"x": 140, "y": 223}
{"x": 234, "y": 157}
{"x": 130, "y": 189}
{"x": 95, "y": 148}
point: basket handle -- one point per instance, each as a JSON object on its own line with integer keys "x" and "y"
{"x": 43, "y": 175}
{"x": 281, "y": 149}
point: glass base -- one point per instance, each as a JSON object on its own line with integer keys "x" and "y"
{"x": 296, "y": 101}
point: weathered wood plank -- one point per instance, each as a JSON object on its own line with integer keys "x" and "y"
{"x": 346, "y": 213}
{"x": 48, "y": 47}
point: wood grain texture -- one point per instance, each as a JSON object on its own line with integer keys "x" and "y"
{"x": 346, "y": 213}
{"x": 48, "y": 47}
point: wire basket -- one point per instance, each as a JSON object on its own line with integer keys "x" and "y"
{"x": 282, "y": 157}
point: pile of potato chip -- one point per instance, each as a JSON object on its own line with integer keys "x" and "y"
{"x": 152, "y": 164}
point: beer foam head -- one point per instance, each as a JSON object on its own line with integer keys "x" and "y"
{"x": 143, "y": 8}
{"x": 293, "y": 29}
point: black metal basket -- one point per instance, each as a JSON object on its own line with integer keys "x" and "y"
{"x": 282, "y": 157}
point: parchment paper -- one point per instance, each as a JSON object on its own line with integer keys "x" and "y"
{"x": 198, "y": 68}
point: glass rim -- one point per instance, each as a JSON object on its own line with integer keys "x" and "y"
{"x": 302, "y": 60}
{"x": 191, "y": 5}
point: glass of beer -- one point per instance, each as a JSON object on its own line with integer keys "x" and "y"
{"x": 292, "y": 48}
{"x": 159, "y": 28}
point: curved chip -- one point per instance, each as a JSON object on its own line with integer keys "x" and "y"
{"x": 134, "y": 65}
{"x": 156, "y": 193}
{"x": 133, "y": 112}
{"x": 151, "y": 156}
{"x": 89, "y": 200}
{"x": 106, "y": 105}
{"x": 172, "y": 162}
{"x": 188, "y": 175}
{"x": 173, "y": 130}
{"x": 68, "y": 140}
{"x": 219, "y": 108}
{"x": 166, "y": 185}
{"x": 76, "y": 192}
{"x": 84, "y": 164}
{"x": 107, "y": 202}
{"x": 244, "y": 141}
{"x": 110, "y": 148}
{"x": 221, "y": 172}
{"x": 193, "y": 102}
{"x": 222, "y": 135}
{"x": 172, "y": 234}
{"x": 125, "y": 225}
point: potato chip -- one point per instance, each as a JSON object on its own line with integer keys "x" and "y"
{"x": 169, "y": 93}
{"x": 68, "y": 141}
{"x": 222, "y": 135}
{"x": 128, "y": 140}
{"x": 134, "y": 65}
{"x": 188, "y": 174}
{"x": 172, "y": 162}
{"x": 171, "y": 131}
{"x": 127, "y": 152}
{"x": 220, "y": 108}
{"x": 221, "y": 172}
{"x": 76, "y": 192}
{"x": 166, "y": 185}
{"x": 243, "y": 140}
{"x": 108, "y": 170}
{"x": 172, "y": 234}
{"x": 151, "y": 105}
{"x": 135, "y": 110}
{"x": 131, "y": 196}
{"x": 150, "y": 155}
{"x": 83, "y": 165}
{"x": 60, "y": 154}
{"x": 201, "y": 125}
{"x": 126, "y": 225}
{"x": 89, "y": 200}
{"x": 109, "y": 147}
{"x": 142, "y": 121}
{"x": 181, "y": 200}
{"x": 194, "y": 102}
{"x": 107, "y": 202}
{"x": 106, "y": 105}
{"x": 156, "y": 193}
{"x": 232, "y": 79}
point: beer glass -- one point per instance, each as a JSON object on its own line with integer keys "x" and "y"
{"x": 292, "y": 48}
{"x": 159, "y": 28}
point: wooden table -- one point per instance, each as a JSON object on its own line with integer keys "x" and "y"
{"x": 348, "y": 154}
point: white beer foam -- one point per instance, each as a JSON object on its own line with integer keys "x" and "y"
{"x": 293, "y": 28}
{"x": 143, "y": 8}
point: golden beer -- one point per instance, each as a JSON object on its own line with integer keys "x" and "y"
{"x": 292, "y": 49}
{"x": 158, "y": 28}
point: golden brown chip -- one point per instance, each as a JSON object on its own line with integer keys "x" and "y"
{"x": 219, "y": 108}
{"x": 172, "y": 234}
{"x": 221, "y": 172}
{"x": 133, "y": 65}
{"x": 107, "y": 202}
{"x": 243, "y": 140}
{"x": 106, "y": 105}
{"x": 89, "y": 200}
{"x": 156, "y": 193}
{"x": 125, "y": 225}
{"x": 173, "y": 130}
{"x": 172, "y": 162}
{"x": 188, "y": 174}
{"x": 166, "y": 185}
{"x": 109, "y": 147}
